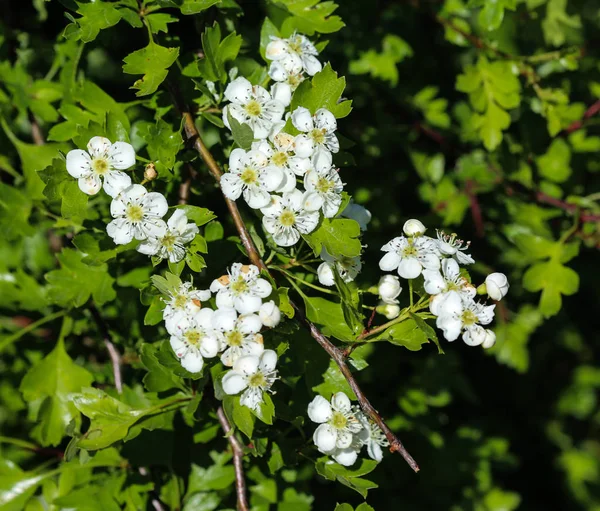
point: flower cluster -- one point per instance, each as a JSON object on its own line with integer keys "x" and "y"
{"x": 231, "y": 330}
{"x": 137, "y": 213}
{"x": 344, "y": 429}
{"x": 452, "y": 296}
{"x": 266, "y": 175}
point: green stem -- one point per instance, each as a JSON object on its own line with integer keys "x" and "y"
{"x": 17, "y": 335}
{"x": 306, "y": 283}
{"x": 402, "y": 317}
{"x": 410, "y": 289}
{"x": 19, "y": 443}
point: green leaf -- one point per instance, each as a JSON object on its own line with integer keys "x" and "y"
{"x": 330, "y": 315}
{"x": 239, "y": 415}
{"x": 218, "y": 476}
{"x": 556, "y": 163}
{"x": 349, "y": 476}
{"x": 160, "y": 377}
{"x": 406, "y": 333}
{"x": 339, "y": 236}
{"x": 558, "y": 26}
{"x": 196, "y": 6}
{"x": 47, "y": 387}
{"x": 333, "y": 382}
{"x": 163, "y": 145}
{"x": 153, "y": 62}
{"x": 75, "y": 282}
{"x": 217, "y": 53}
{"x": 242, "y": 133}
{"x": 95, "y": 16}
{"x": 74, "y": 202}
{"x": 427, "y": 330}
{"x": 266, "y": 410}
{"x": 199, "y": 216}
{"x": 492, "y": 14}
{"x": 310, "y": 16}
{"x": 323, "y": 91}
{"x": 553, "y": 280}
{"x": 15, "y": 209}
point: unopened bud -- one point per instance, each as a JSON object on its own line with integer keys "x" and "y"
{"x": 490, "y": 339}
{"x": 389, "y": 310}
{"x": 150, "y": 172}
{"x": 496, "y": 286}
{"x": 269, "y": 314}
{"x": 389, "y": 288}
{"x": 413, "y": 227}
{"x": 325, "y": 274}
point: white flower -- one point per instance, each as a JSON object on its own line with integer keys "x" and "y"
{"x": 319, "y": 129}
{"x": 372, "y": 436}
{"x": 269, "y": 314}
{"x": 496, "y": 285}
{"x": 282, "y": 92}
{"x": 253, "y": 375}
{"x": 194, "y": 340}
{"x": 389, "y": 288}
{"x": 185, "y": 301}
{"x": 413, "y": 227}
{"x": 137, "y": 214}
{"x": 357, "y": 213}
{"x": 442, "y": 285}
{"x": 295, "y": 54}
{"x": 461, "y": 313}
{"x": 252, "y": 105}
{"x": 241, "y": 289}
{"x": 171, "y": 244}
{"x": 410, "y": 256}
{"x": 389, "y": 310}
{"x": 104, "y": 160}
{"x": 347, "y": 457}
{"x": 285, "y": 218}
{"x": 338, "y": 422}
{"x": 490, "y": 339}
{"x": 249, "y": 175}
{"x": 450, "y": 245}
{"x": 323, "y": 186}
{"x": 347, "y": 267}
{"x": 281, "y": 156}
{"x": 282, "y": 74}
{"x": 239, "y": 334}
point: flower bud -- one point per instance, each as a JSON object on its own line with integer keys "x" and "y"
{"x": 389, "y": 288}
{"x": 269, "y": 314}
{"x": 413, "y": 227}
{"x": 389, "y": 310}
{"x": 490, "y": 339}
{"x": 496, "y": 286}
{"x": 150, "y": 172}
{"x": 325, "y": 274}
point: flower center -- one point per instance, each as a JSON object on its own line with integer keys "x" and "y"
{"x": 410, "y": 251}
{"x": 180, "y": 301}
{"x": 469, "y": 318}
{"x": 287, "y": 218}
{"x": 193, "y": 337}
{"x": 295, "y": 80}
{"x": 338, "y": 420}
{"x": 279, "y": 159}
{"x": 134, "y": 213}
{"x": 318, "y": 135}
{"x": 324, "y": 185}
{"x": 253, "y": 108}
{"x": 257, "y": 380}
{"x": 249, "y": 176}
{"x": 295, "y": 44}
{"x": 100, "y": 166}
{"x": 235, "y": 338}
{"x": 239, "y": 286}
{"x": 168, "y": 241}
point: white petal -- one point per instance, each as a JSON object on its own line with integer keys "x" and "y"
{"x": 178, "y": 346}
{"x": 256, "y": 197}
{"x": 277, "y": 49}
{"x": 115, "y": 182}
{"x": 345, "y": 457}
{"x": 286, "y": 238}
{"x": 304, "y": 146}
{"x": 268, "y": 361}
{"x": 344, "y": 439}
{"x": 312, "y": 201}
{"x": 149, "y": 247}
{"x": 282, "y": 92}
{"x": 434, "y": 282}
{"x": 409, "y": 268}
{"x": 154, "y": 203}
{"x": 232, "y": 185}
{"x": 234, "y": 382}
{"x": 341, "y": 402}
{"x": 322, "y": 161}
{"x": 325, "y": 119}
{"x": 302, "y": 119}
{"x": 120, "y": 231}
{"x": 325, "y": 438}
{"x": 319, "y": 410}
{"x": 78, "y": 163}
{"x": 474, "y": 335}
{"x": 390, "y": 261}
{"x": 278, "y": 72}
{"x": 311, "y": 65}
{"x": 450, "y": 326}
{"x": 249, "y": 324}
{"x": 121, "y": 155}
{"x": 192, "y": 361}
{"x": 224, "y": 299}
{"x": 246, "y": 304}
{"x": 325, "y": 274}
{"x": 262, "y": 288}
{"x": 246, "y": 365}
{"x": 209, "y": 346}
{"x": 224, "y": 319}
{"x": 374, "y": 451}
{"x": 299, "y": 165}
{"x": 239, "y": 91}
{"x": 98, "y": 146}
{"x": 307, "y": 221}
{"x": 450, "y": 268}
{"x": 272, "y": 178}
{"x": 90, "y": 185}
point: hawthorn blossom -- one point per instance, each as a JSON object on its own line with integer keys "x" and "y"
{"x": 451, "y": 245}
{"x": 171, "y": 244}
{"x": 372, "y": 436}
{"x": 389, "y": 288}
{"x": 357, "y": 213}
{"x": 102, "y": 160}
{"x": 442, "y": 285}
{"x": 294, "y": 54}
{"x": 252, "y": 105}
{"x": 239, "y": 334}
{"x": 182, "y": 302}
{"x": 253, "y": 375}
{"x": 347, "y": 267}
{"x": 194, "y": 340}
{"x": 323, "y": 186}
{"x": 337, "y": 422}
{"x": 282, "y": 92}
{"x": 410, "y": 256}
{"x": 496, "y": 285}
{"x": 241, "y": 288}
{"x": 280, "y": 154}
{"x": 389, "y": 310}
{"x": 269, "y": 314}
{"x": 413, "y": 227}
{"x": 286, "y": 218}
{"x": 249, "y": 175}
{"x": 462, "y": 314}
{"x": 318, "y": 131}
{"x": 281, "y": 74}
{"x": 137, "y": 214}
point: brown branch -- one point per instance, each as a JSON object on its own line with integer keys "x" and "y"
{"x": 184, "y": 188}
{"x": 335, "y": 353}
{"x": 113, "y": 353}
{"x": 36, "y": 131}
{"x": 238, "y": 456}
{"x": 590, "y": 112}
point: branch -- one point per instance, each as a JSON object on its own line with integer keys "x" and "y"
{"x": 336, "y": 354}
{"x": 590, "y": 112}
{"x": 113, "y": 353}
{"x": 238, "y": 456}
{"x": 36, "y": 131}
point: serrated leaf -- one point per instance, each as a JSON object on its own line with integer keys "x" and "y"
{"x": 242, "y": 133}
{"x": 339, "y": 236}
{"x": 95, "y": 16}
{"x": 310, "y": 16}
{"x": 553, "y": 280}
{"x": 153, "y": 62}
{"x": 405, "y": 333}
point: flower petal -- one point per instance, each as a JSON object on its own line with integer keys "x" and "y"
{"x": 302, "y": 119}
{"x": 341, "y": 402}
{"x": 262, "y": 288}
{"x": 239, "y": 91}
{"x": 390, "y": 261}
{"x": 409, "y": 268}
{"x": 325, "y": 438}
{"x": 325, "y": 119}
{"x": 78, "y": 163}
{"x": 192, "y": 361}
{"x": 319, "y": 410}
{"x": 121, "y": 155}
{"x": 231, "y": 185}
{"x": 155, "y": 204}
{"x": 268, "y": 361}
{"x": 98, "y": 147}
{"x": 115, "y": 182}
{"x": 90, "y": 185}
{"x": 246, "y": 365}
{"x": 233, "y": 383}
{"x": 246, "y": 304}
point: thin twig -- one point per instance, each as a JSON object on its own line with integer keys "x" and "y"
{"x": 36, "y": 131}
{"x": 184, "y": 188}
{"x": 113, "y": 353}
{"x": 590, "y": 112}
{"x": 336, "y": 354}
{"x": 238, "y": 457}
